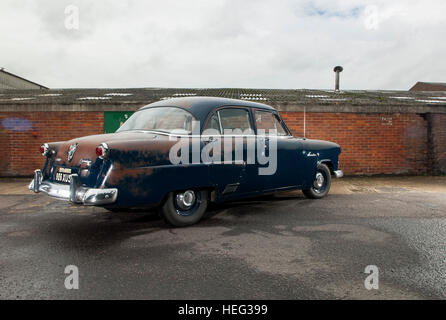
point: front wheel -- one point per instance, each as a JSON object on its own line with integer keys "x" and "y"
{"x": 184, "y": 208}
{"x": 321, "y": 184}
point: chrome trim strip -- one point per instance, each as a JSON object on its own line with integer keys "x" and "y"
{"x": 207, "y": 135}
{"x": 106, "y": 176}
{"x": 219, "y": 122}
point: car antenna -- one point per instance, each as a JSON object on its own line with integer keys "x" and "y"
{"x": 305, "y": 122}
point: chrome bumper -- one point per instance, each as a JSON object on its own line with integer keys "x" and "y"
{"x": 339, "y": 174}
{"x": 73, "y": 192}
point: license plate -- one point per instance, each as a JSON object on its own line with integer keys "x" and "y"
{"x": 63, "y": 175}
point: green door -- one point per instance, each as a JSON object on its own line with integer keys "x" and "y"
{"x": 114, "y": 119}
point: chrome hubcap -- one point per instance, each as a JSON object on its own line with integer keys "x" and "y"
{"x": 185, "y": 200}
{"x": 319, "y": 181}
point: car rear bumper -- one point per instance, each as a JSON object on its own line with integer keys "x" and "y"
{"x": 73, "y": 192}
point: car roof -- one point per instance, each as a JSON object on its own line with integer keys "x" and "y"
{"x": 200, "y": 107}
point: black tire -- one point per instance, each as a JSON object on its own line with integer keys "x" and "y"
{"x": 176, "y": 216}
{"x": 318, "y": 191}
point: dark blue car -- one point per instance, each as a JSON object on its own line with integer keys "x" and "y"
{"x": 180, "y": 154}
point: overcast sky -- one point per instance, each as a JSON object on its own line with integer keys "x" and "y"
{"x": 225, "y": 43}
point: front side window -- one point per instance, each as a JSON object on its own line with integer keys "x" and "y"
{"x": 165, "y": 119}
{"x": 235, "y": 120}
{"x": 267, "y": 121}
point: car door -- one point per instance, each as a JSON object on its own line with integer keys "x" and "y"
{"x": 285, "y": 164}
{"x": 228, "y": 127}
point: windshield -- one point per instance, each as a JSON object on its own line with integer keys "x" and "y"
{"x": 164, "y": 119}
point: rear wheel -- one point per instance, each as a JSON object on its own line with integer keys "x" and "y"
{"x": 184, "y": 208}
{"x": 321, "y": 184}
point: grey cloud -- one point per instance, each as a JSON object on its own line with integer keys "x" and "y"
{"x": 225, "y": 43}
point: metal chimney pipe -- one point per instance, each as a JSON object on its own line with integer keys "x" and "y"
{"x": 337, "y": 70}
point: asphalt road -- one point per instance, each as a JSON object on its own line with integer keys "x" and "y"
{"x": 276, "y": 247}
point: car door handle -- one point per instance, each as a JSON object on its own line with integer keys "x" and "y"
{"x": 209, "y": 139}
{"x": 265, "y": 146}
{"x": 240, "y": 163}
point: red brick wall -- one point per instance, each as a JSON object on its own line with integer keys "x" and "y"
{"x": 437, "y": 141}
{"x": 22, "y": 155}
{"x": 371, "y": 143}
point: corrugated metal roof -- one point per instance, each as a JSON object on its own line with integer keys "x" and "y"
{"x": 143, "y": 96}
{"x": 10, "y": 81}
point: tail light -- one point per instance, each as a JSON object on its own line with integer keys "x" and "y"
{"x": 102, "y": 151}
{"x": 44, "y": 149}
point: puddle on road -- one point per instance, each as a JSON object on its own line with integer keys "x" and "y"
{"x": 19, "y": 234}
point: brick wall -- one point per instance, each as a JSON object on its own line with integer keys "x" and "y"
{"x": 437, "y": 142}
{"x": 372, "y": 143}
{"x": 29, "y": 130}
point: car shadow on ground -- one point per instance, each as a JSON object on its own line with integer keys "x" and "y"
{"x": 141, "y": 215}
{"x": 100, "y": 229}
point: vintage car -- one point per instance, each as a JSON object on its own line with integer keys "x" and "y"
{"x": 147, "y": 161}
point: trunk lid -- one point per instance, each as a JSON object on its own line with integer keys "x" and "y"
{"x": 79, "y": 156}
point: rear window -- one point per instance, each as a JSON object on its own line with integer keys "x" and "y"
{"x": 165, "y": 119}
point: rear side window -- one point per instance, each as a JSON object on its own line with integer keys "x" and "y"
{"x": 268, "y": 121}
{"x": 213, "y": 123}
{"x": 235, "y": 118}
